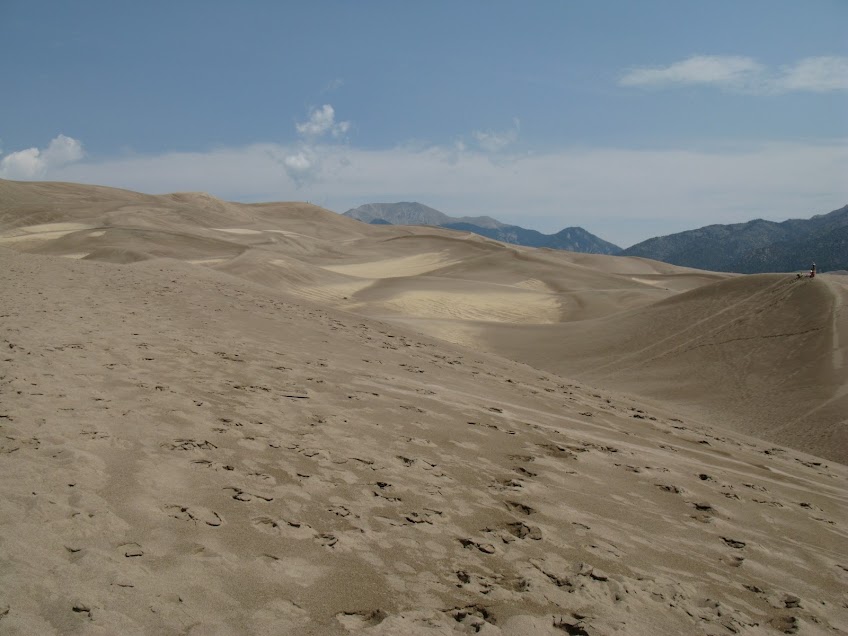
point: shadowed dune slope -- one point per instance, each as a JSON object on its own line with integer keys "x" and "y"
{"x": 765, "y": 354}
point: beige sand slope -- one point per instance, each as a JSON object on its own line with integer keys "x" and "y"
{"x": 211, "y": 432}
{"x": 766, "y": 352}
{"x": 754, "y": 357}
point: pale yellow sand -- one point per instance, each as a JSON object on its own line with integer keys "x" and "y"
{"x": 394, "y": 267}
{"x": 42, "y": 232}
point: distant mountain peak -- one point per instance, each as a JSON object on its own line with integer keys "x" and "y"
{"x": 574, "y": 239}
{"x": 413, "y": 213}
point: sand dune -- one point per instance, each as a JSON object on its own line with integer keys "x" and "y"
{"x": 248, "y": 431}
{"x": 764, "y": 353}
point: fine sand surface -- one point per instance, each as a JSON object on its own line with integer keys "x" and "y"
{"x": 248, "y": 419}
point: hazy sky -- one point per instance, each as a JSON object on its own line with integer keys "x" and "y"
{"x": 629, "y": 118}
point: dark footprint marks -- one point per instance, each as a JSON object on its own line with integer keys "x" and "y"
{"x": 353, "y": 621}
{"x": 195, "y": 514}
{"x": 670, "y": 488}
{"x": 272, "y": 526}
{"x": 472, "y": 617}
{"x": 189, "y": 444}
{"x": 486, "y": 548}
{"x": 520, "y": 507}
{"x": 131, "y": 550}
{"x": 243, "y": 495}
{"x": 521, "y": 530}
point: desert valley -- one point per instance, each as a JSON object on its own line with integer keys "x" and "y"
{"x": 221, "y": 418}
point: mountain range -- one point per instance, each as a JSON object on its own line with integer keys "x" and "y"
{"x": 753, "y": 247}
{"x": 573, "y": 239}
{"x": 756, "y": 246}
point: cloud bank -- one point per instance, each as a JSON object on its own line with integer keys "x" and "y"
{"x": 623, "y": 195}
{"x": 812, "y": 74}
{"x": 35, "y": 163}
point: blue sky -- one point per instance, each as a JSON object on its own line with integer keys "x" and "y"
{"x": 631, "y": 119}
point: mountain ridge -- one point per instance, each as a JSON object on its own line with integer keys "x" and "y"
{"x": 756, "y": 246}
{"x": 574, "y": 239}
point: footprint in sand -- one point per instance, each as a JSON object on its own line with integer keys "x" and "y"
{"x": 521, "y": 530}
{"x": 196, "y": 514}
{"x": 131, "y": 550}
{"x": 189, "y": 444}
{"x": 354, "y": 621}
{"x": 520, "y": 507}
{"x": 243, "y": 495}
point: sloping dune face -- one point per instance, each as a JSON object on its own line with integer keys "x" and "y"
{"x": 232, "y": 422}
{"x": 766, "y": 352}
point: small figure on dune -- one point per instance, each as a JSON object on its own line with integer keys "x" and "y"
{"x": 812, "y": 272}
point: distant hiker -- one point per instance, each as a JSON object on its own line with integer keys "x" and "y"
{"x": 813, "y": 271}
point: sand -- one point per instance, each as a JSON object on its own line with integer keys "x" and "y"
{"x": 201, "y": 436}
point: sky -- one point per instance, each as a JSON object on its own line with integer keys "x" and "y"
{"x": 629, "y": 119}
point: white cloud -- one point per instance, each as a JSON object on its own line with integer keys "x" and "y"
{"x": 495, "y": 141}
{"x": 700, "y": 69}
{"x": 622, "y": 195}
{"x": 302, "y": 167}
{"x": 33, "y": 163}
{"x": 322, "y": 121}
{"x": 305, "y": 165}
{"x": 333, "y": 85}
{"x": 815, "y": 74}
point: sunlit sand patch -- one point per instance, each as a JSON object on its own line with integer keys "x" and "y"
{"x": 42, "y": 232}
{"x": 54, "y": 227}
{"x": 96, "y": 234}
{"x": 520, "y": 307}
{"x": 395, "y": 267}
{"x": 461, "y": 332}
{"x": 287, "y": 233}
{"x": 206, "y": 261}
{"x": 76, "y": 255}
{"x": 337, "y": 293}
{"x": 647, "y": 281}
{"x": 237, "y": 230}
{"x": 534, "y": 284}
